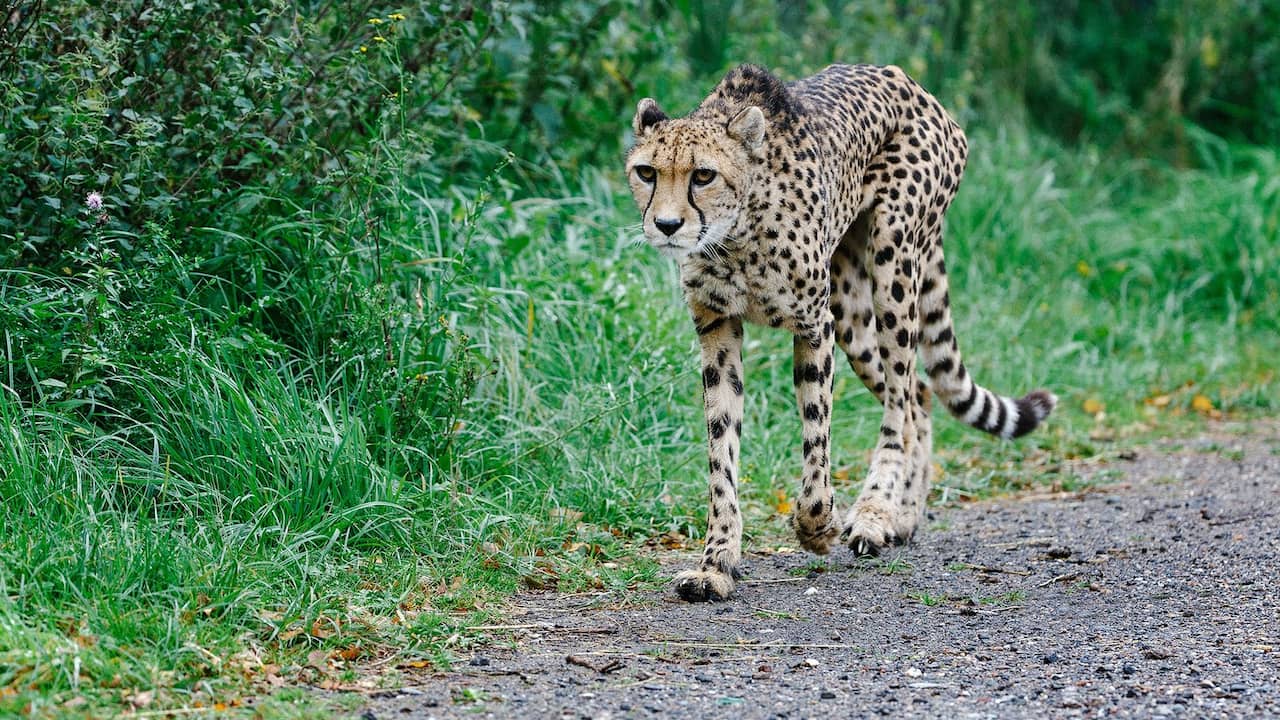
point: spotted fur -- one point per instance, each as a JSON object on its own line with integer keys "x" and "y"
{"x": 816, "y": 206}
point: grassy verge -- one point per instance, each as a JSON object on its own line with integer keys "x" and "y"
{"x": 265, "y": 522}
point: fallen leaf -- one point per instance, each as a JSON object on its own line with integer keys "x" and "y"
{"x": 1201, "y": 404}
{"x": 1093, "y": 406}
{"x": 351, "y": 652}
{"x": 565, "y": 515}
{"x": 672, "y": 540}
{"x": 1159, "y": 400}
{"x": 781, "y": 503}
{"x": 322, "y": 628}
{"x": 141, "y": 699}
{"x": 318, "y": 659}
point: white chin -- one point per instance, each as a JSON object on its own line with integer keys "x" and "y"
{"x": 674, "y": 252}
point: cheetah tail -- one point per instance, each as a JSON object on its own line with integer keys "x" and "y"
{"x": 952, "y": 384}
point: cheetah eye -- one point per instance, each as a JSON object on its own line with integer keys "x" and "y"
{"x": 646, "y": 173}
{"x": 703, "y": 176}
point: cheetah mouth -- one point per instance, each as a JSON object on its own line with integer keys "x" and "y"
{"x": 672, "y": 250}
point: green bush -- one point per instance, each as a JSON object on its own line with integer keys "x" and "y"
{"x": 181, "y": 178}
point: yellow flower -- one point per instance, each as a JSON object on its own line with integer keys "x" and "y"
{"x": 364, "y": 48}
{"x": 379, "y": 38}
{"x": 375, "y": 21}
{"x": 396, "y": 17}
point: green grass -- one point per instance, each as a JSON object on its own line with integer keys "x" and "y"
{"x": 268, "y": 506}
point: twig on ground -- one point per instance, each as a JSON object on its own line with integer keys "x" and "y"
{"x": 605, "y": 669}
{"x": 994, "y": 569}
{"x": 545, "y": 626}
{"x": 1242, "y": 518}
{"x": 1059, "y": 578}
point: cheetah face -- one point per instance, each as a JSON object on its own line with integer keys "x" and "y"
{"x": 690, "y": 176}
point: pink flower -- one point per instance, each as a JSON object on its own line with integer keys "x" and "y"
{"x": 94, "y": 201}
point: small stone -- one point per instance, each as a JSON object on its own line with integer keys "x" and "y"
{"x": 480, "y": 661}
{"x": 913, "y": 672}
{"x": 811, "y": 591}
{"x": 827, "y": 695}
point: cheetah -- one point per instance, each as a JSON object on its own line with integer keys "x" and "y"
{"x": 816, "y": 206}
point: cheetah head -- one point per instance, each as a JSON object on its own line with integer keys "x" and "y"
{"x": 690, "y": 176}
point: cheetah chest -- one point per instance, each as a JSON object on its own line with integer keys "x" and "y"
{"x": 762, "y": 283}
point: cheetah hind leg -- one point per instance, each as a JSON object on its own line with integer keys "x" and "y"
{"x": 915, "y": 495}
{"x": 873, "y": 521}
{"x": 889, "y": 512}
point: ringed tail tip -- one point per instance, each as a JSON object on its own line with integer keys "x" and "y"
{"x": 1033, "y": 408}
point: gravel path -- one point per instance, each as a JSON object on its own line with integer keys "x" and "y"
{"x": 1151, "y": 595}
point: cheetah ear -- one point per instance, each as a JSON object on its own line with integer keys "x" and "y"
{"x": 647, "y": 115}
{"x": 747, "y": 127}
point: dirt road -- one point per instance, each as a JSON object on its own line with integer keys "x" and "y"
{"x": 1151, "y": 594}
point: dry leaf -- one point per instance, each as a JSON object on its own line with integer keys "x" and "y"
{"x": 1160, "y": 400}
{"x": 141, "y": 699}
{"x": 1093, "y": 406}
{"x": 1201, "y": 404}
{"x": 672, "y": 540}
{"x": 565, "y": 515}
{"x": 318, "y": 659}
{"x": 351, "y": 652}
{"x": 322, "y": 628}
{"x": 781, "y": 503}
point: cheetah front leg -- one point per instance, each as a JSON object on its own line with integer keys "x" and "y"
{"x": 721, "y": 340}
{"x": 814, "y": 521}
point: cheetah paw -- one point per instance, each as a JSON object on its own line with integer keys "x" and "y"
{"x": 704, "y": 585}
{"x": 816, "y": 540}
{"x": 868, "y": 530}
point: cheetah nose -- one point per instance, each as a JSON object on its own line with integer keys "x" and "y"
{"x": 668, "y": 227}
